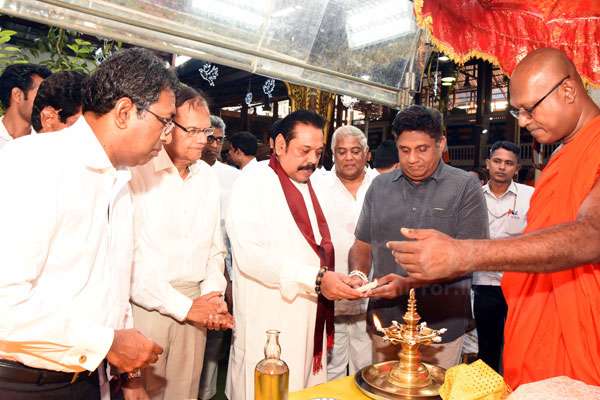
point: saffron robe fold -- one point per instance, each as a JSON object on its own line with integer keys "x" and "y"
{"x": 553, "y": 322}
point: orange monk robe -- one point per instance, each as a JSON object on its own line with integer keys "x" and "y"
{"x": 553, "y": 322}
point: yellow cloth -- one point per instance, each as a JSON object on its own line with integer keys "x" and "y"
{"x": 341, "y": 389}
{"x": 476, "y": 381}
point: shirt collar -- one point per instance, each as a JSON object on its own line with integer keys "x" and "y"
{"x": 163, "y": 162}
{"x": 512, "y": 188}
{"x": 436, "y": 176}
{"x": 91, "y": 150}
{"x": 4, "y": 135}
{"x": 253, "y": 161}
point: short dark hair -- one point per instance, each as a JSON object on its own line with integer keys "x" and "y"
{"x": 61, "y": 91}
{"x": 385, "y": 155}
{"x": 185, "y": 93}
{"x": 506, "y": 145}
{"x": 286, "y": 126}
{"x": 245, "y": 141}
{"x": 134, "y": 73}
{"x": 419, "y": 118}
{"x": 19, "y": 76}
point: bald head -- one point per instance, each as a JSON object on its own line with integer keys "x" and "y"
{"x": 548, "y": 74}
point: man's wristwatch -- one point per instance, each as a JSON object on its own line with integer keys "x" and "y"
{"x": 128, "y": 376}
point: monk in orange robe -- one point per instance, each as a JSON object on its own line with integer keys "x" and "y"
{"x": 552, "y": 283}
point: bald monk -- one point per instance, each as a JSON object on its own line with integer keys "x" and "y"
{"x": 552, "y": 279}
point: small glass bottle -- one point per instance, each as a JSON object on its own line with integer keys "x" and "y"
{"x": 271, "y": 375}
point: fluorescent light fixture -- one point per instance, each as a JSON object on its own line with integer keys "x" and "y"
{"x": 444, "y": 58}
{"x": 367, "y": 26}
{"x": 448, "y": 79}
{"x": 446, "y": 83}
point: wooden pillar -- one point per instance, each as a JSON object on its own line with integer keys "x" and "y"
{"x": 339, "y": 117}
{"x": 244, "y": 117}
{"x": 482, "y": 115}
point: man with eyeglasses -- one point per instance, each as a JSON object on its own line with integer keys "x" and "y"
{"x": 178, "y": 279}
{"x": 551, "y": 273}
{"x": 226, "y": 176}
{"x": 67, "y": 237}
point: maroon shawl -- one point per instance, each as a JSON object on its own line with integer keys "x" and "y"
{"x": 324, "y": 250}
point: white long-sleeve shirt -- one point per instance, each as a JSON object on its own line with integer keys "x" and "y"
{"x": 66, "y": 233}
{"x": 178, "y": 234}
{"x": 342, "y": 210}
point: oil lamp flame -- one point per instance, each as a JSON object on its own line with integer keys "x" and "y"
{"x": 377, "y": 324}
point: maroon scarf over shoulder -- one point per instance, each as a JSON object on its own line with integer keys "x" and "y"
{"x": 324, "y": 250}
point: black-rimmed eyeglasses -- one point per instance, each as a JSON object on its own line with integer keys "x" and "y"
{"x": 528, "y": 112}
{"x": 168, "y": 123}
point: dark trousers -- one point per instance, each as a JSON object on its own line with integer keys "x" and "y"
{"x": 490, "y": 315}
{"x": 83, "y": 389}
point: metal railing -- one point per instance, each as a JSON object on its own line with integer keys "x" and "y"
{"x": 464, "y": 156}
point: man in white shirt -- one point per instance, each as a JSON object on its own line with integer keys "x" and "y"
{"x": 507, "y": 204}
{"x": 242, "y": 150}
{"x": 57, "y": 104}
{"x": 283, "y": 275}
{"x": 19, "y": 84}
{"x": 341, "y": 194}
{"x": 226, "y": 176}
{"x": 67, "y": 236}
{"x": 178, "y": 266}
{"x": 212, "y": 156}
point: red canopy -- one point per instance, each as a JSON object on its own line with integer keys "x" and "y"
{"x": 504, "y": 31}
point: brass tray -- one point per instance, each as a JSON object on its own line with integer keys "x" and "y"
{"x": 371, "y": 380}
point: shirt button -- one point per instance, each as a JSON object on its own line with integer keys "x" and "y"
{"x": 82, "y": 359}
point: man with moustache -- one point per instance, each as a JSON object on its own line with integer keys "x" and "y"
{"x": 341, "y": 193}
{"x": 178, "y": 279}
{"x": 67, "y": 236}
{"x": 423, "y": 192}
{"x": 507, "y": 205}
{"x": 551, "y": 273}
{"x": 283, "y": 275}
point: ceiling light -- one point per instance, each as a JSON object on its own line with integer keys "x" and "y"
{"x": 444, "y": 58}
{"x": 448, "y": 79}
{"x": 446, "y": 83}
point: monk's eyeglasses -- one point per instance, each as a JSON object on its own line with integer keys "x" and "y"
{"x": 528, "y": 112}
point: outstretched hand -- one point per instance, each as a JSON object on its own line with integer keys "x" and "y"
{"x": 430, "y": 255}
